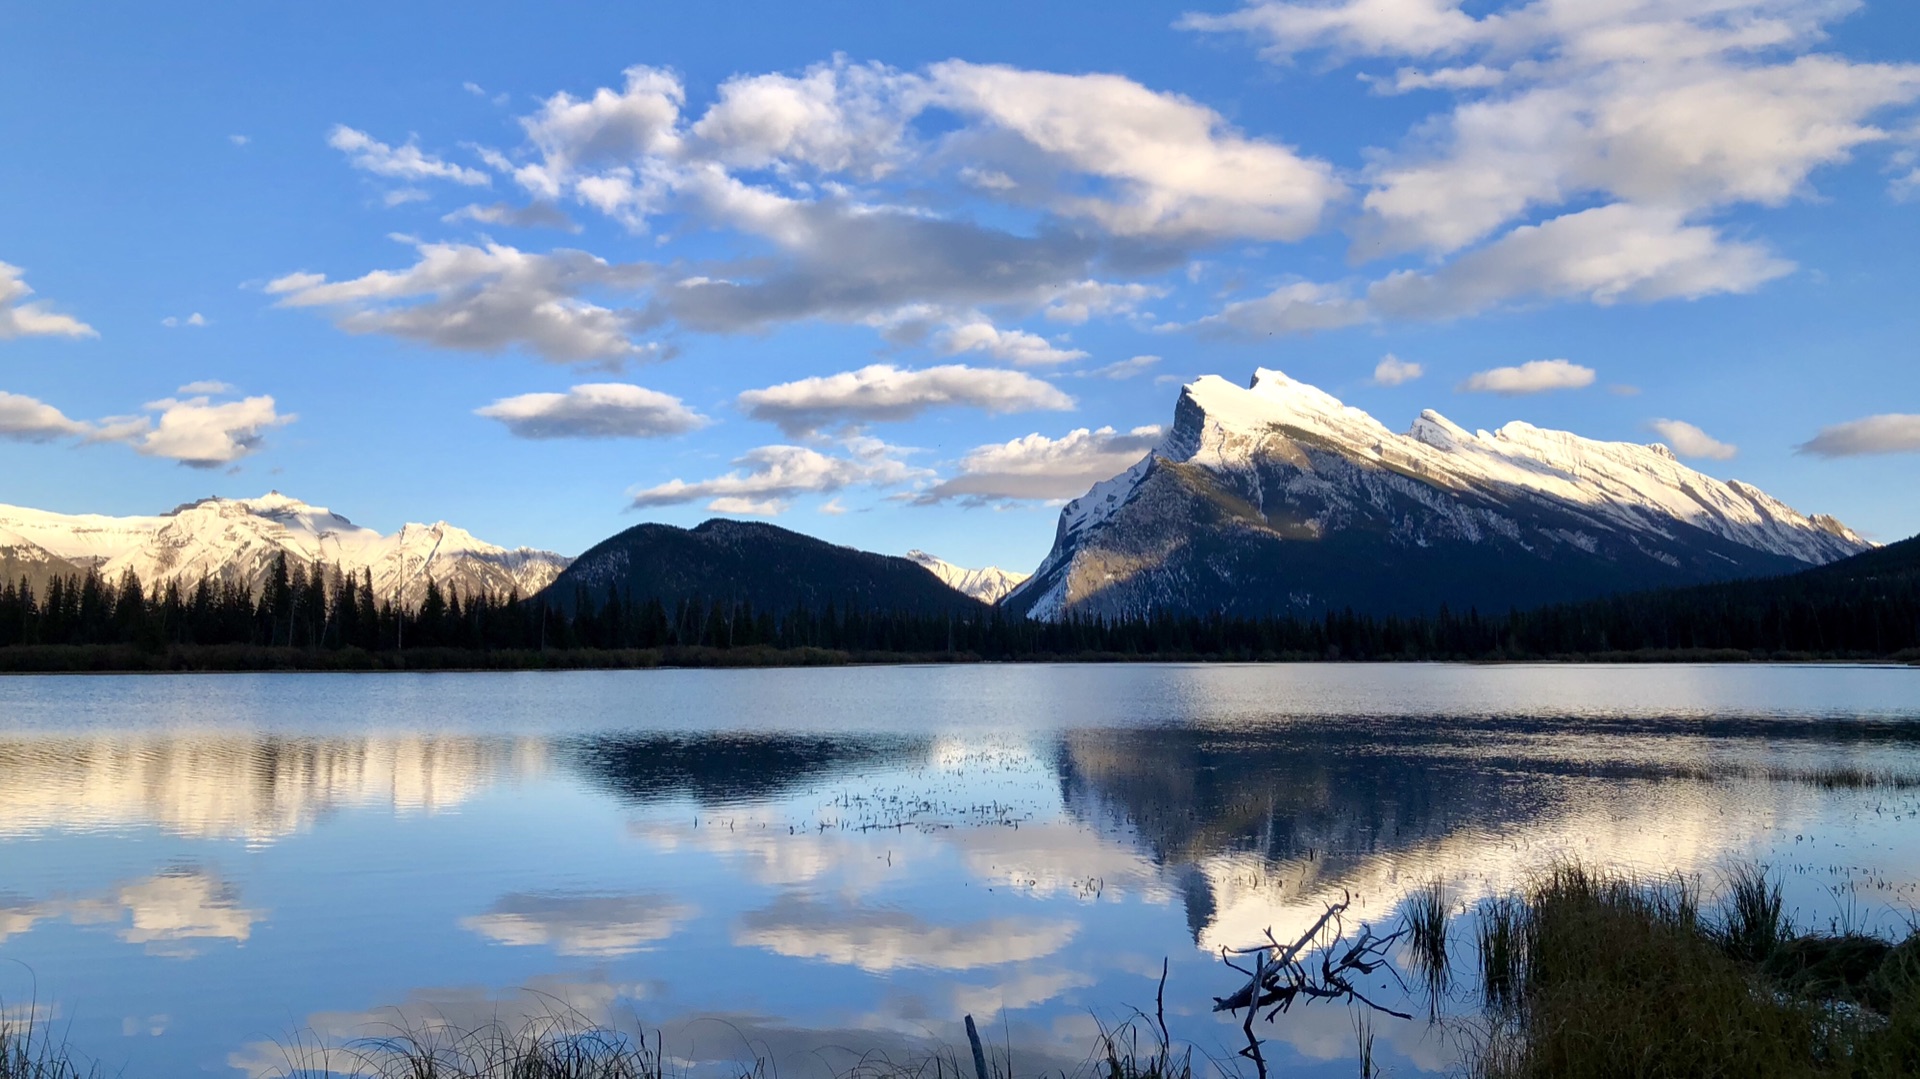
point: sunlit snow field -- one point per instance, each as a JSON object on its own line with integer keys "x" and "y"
{"x": 807, "y": 865}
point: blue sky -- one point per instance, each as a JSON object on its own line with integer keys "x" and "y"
{"x": 887, "y": 272}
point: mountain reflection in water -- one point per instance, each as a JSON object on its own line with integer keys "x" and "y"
{"x": 829, "y": 861}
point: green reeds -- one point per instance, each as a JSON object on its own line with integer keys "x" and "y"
{"x": 1614, "y": 976}
{"x": 1502, "y": 941}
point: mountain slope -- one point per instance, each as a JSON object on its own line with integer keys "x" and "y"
{"x": 987, "y": 584}
{"x": 1278, "y": 498}
{"x": 238, "y": 540}
{"x": 769, "y": 567}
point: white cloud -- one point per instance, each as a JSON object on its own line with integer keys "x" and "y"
{"x": 1077, "y": 303}
{"x": 765, "y": 480}
{"x": 205, "y": 386}
{"x": 1684, "y": 106}
{"x": 196, "y": 431}
{"x": 1179, "y": 171}
{"x": 837, "y": 117}
{"x": 1128, "y": 368}
{"x": 24, "y": 419}
{"x": 832, "y": 508}
{"x": 608, "y": 151}
{"x": 1393, "y": 371}
{"x": 238, "y": 140}
{"x": 1301, "y": 307}
{"x": 580, "y": 924}
{"x": 1605, "y": 255}
{"x": 1890, "y": 433}
{"x": 487, "y": 299}
{"x": 882, "y": 392}
{"x": 1409, "y": 79}
{"x": 595, "y": 410}
{"x": 406, "y": 162}
{"x": 537, "y": 215}
{"x": 19, "y": 318}
{"x": 1690, "y": 441}
{"x": 1534, "y": 376}
{"x": 195, "y": 319}
{"x": 1017, "y": 347}
{"x": 1036, "y": 467}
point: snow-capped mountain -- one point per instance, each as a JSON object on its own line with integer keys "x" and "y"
{"x": 238, "y": 539}
{"x": 1277, "y": 497}
{"x": 987, "y": 584}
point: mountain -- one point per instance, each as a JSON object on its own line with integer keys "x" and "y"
{"x": 987, "y": 585}
{"x": 1277, "y": 498}
{"x": 769, "y": 567}
{"x": 238, "y": 539}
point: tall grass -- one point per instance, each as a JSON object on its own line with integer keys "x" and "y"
{"x": 27, "y": 1051}
{"x": 1616, "y": 977}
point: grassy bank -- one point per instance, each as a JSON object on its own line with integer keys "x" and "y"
{"x": 125, "y": 659}
{"x": 1590, "y": 975}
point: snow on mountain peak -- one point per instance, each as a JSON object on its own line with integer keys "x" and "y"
{"x": 986, "y": 584}
{"x": 1222, "y": 426}
{"x": 239, "y": 539}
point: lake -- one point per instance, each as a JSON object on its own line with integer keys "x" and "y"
{"x": 202, "y": 874}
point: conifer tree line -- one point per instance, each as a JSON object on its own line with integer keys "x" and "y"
{"x": 318, "y": 608}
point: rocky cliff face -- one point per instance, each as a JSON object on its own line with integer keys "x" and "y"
{"x": 1278, "y": 498}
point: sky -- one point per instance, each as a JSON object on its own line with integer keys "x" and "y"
{"x": 910, "y": 275}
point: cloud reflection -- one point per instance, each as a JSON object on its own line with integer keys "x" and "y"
{"x": 884, "y": 939}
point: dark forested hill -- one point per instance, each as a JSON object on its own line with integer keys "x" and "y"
{"x": 771, "y": 568}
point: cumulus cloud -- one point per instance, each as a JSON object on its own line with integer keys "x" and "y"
{"x": 1179, "y": 171}
{"x": 407, "y": 162}
{"x": 1038, "y": 468}
{"x": 766, "y": 480}
{"x": 595, "y": 410}
{"x": 1534, "y": 376}
{"x": 1609, "y": 254}
{"x": 836, "y": 117}
{"x": 880, "y": 940}
{"x": 196, "y": 319}
{"x": 882, "y": 392}
{"x": 1301, "y": 307}
{"x": 1393, "y": 371}
{"x": 207, "y": 385}
{"x": 1127, "y": 368}
{"x": 1684, "y": 106}
{"x": 1014, "y": 346}
{"x": 196, "y": 431}
{"x": 610, "y": 151}
{"x": 1889, "y": 433}
{"x": 487, "y": 299}
{"x": 580, "y": 924}
{"x": 24, "y": 419}
{"x": 1079, "y": 302}
{"x": 1690, "y": 441}
{"x": 535, "y": 215}
{"x": 20, "y": 318}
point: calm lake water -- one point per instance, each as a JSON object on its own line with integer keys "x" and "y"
{"x": 807, "y": 865}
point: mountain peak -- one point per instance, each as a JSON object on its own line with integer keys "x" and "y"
{"x": 1275, "y": 479}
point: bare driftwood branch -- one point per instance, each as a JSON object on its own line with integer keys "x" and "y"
{"x": 1278, "y": 978}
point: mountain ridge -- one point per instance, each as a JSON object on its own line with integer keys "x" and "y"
{"x": 238, "y": 540}
{"x": 1278, "y": 497}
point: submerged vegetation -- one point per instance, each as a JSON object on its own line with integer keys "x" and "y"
{"x": 313, "y": 617}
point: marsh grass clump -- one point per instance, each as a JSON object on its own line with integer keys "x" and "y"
{"x": 1501, "y": 943}
{"x": 547, "y": 1047}
{"x": 1754, "y": 921}
{"x": 1124, "y": 1052}
{"x": 27, "y": 1052}
{"x": 1621, "y": 977}
{"x": 1427, "y": 923}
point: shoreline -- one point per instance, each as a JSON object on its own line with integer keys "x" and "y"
{"x": 242, "y": 659}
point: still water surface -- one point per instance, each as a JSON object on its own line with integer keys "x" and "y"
{"x": 807, "y": 865}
